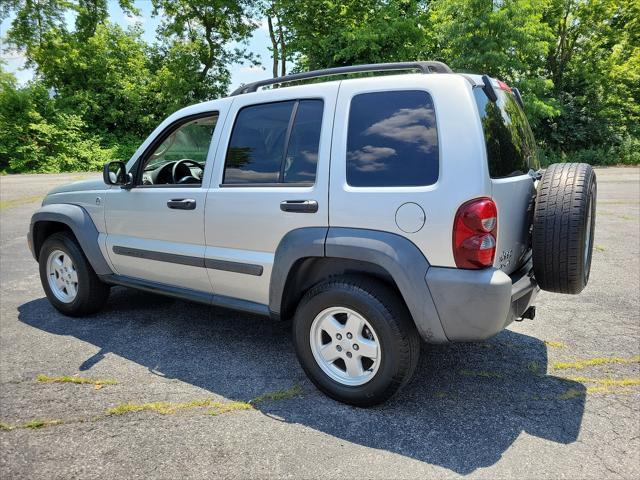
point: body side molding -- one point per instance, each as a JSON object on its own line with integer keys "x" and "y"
{"x": 214, "y": 264}
{"x": 82, "y": 226}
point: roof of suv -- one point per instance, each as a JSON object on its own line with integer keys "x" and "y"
{"x": 425, "y": 67}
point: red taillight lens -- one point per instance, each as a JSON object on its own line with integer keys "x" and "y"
{"x": 504, "y": 86}
{"x": 474, "y": 234}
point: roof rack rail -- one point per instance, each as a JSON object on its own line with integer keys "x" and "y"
{"x": 424, "y": 67}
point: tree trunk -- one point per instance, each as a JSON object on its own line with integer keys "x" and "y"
{"x": 274, "y": 45}
{"x": 283, "y": 52}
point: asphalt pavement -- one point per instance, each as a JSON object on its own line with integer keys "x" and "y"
{"x": 181, "y": 390}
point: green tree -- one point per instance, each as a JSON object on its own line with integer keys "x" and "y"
{"x": 36, "y": 137}
{"x": 279, "y": 35}
{"x": 505, "y": 39}
{"x": 595, "y": 65}
{"x": 35, "y": 18}
{"x": 205, "y": 30}
{"x": 104, "y": 79}
{"x": 326, "y": 33}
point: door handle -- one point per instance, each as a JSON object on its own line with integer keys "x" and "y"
{"x": 182, "y": 204}
{"x": 299, "y": 206}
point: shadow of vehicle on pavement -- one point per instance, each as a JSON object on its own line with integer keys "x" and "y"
{"x": 465, "y": 406}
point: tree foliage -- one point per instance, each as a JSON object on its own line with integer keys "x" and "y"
{"x": 37, "y": 137}
{"x": 99, "y": 88}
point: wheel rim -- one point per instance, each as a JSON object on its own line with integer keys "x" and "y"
{"x": 345, "y": 346}
{"x": 62, "y": 276}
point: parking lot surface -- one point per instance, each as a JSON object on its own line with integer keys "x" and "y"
{"x": 180, "y": 390}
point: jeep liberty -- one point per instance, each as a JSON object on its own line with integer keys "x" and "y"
{"x": 378, "y": 213}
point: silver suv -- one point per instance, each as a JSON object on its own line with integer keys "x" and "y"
{"x": 374, "y": 212}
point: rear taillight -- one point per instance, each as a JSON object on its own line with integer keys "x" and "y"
{"x": 504, "y": 86}
{"x": 475, "y": 230}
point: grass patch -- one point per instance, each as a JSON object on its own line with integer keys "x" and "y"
{"x": 481, "y": 373}
{"x": 76, "y": 380}
{"x": 163, "y": 408}
{"x": 229, "y": 407}
{"x": 535, "y": 368}
{"x": 35, "y": 424}
{"x": 608, "y": 382}
{"x": 167, "y": 408}
{"x": 31, "y": 424}
{"x": 571, "y": 393}
{"x": 294, "y": 391}
{"x": 553, "y": 344}
{"x": 593, "y": 362}
{"x": 16, "y": 202}
{"x": 215, "y": 408}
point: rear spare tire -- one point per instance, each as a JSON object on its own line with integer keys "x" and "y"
{"x": 563, "y": 227}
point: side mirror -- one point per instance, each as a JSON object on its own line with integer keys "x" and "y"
{"x": 115, "y": 173}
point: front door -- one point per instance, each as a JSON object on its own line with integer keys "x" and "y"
{"x": 271, "y": 176}
{"x": 155, "y": 230}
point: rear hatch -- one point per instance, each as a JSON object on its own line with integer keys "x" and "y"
{"x": 512, "y": 161}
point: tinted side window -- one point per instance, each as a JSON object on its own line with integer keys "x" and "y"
{"x": 302, "y": 153}
{"x": 392, "y": 140}
{"x": 511, "y": 148}
{"x": 275, "y": 143}
{"x": 257, "y": 143}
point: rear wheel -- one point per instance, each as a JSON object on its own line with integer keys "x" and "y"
{"x": 68, "y": 279}
{"x": 563, "y": 227}
{"x": 355, "y": 340}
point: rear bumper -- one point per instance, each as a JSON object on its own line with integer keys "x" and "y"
{"x": 477, "y": 304}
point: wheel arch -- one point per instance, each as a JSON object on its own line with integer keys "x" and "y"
{"x": 307, "y": 255}
{"x": 75, "y": 219}
{"x": 308, "y": 271}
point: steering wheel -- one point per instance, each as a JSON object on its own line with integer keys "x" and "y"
{"x": 184, "y": 176}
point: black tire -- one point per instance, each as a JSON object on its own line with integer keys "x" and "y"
{"x": 91, "y": 292}
{"x": 563, "y": 227}
{"x": 384, "y": 310}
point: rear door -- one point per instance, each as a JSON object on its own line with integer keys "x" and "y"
{"x": 511, "y": 157}
{"x": 385, "y": 170}
{"x": 271, "y": 176}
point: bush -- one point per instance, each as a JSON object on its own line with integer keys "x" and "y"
{"x": 627, "y": 153}
{"x": 36, "y": 137}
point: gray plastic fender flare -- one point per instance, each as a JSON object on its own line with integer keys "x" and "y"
{"x": 404, "y": 262}
{"x": 82, "y": 226}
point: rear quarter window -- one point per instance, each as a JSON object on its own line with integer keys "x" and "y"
{"x": 392, "y": 140}
{"x": 511, "y": 148}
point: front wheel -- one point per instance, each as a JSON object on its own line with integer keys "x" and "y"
{"x": 68, "y": 279}
{"x": 355, "y": 340}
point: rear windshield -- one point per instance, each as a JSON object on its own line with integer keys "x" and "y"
{"x": 511, "y": 148}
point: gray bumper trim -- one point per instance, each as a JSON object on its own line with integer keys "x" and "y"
{"x": 477, "y": 304}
